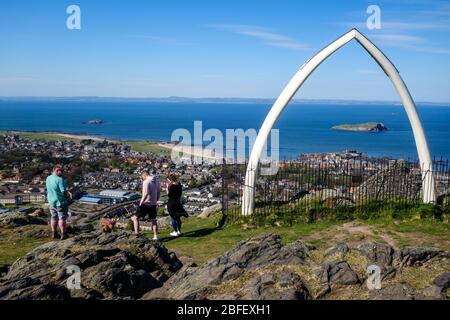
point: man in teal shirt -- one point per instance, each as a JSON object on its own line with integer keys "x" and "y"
{"x": 57, "y": 197}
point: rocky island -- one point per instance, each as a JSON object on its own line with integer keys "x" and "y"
{"x": 362, "y": 127}
{"x": 96, "y": 121}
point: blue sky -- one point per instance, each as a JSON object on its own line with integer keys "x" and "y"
{"x": 230, "y": 48}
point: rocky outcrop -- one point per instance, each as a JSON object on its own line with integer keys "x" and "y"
{"x": 377, "y": 253}
{"x": 209, "y": 211}
{"x": 415, "y": 256}
{"x": 338, "y": 250}
{"x": 362, "y": 127}
{"x": 247, "y": 256}
{"x": 114, "y": 265}
{"x": 17, "y": 219}
{"x": 269, "y": 286}
{"x": 120, "y": 265}
{"x": 443, "y": 281}
{"x": 338, "y": 273}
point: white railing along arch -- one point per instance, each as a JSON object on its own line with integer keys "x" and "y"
{"x": 248, "y": 200}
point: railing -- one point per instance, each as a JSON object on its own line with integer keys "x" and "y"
{"x": 336, "y": 187}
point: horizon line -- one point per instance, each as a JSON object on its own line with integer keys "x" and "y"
{"x": 224, "y": 99}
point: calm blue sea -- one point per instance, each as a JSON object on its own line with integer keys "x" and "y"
{"x": 304, "y": 128}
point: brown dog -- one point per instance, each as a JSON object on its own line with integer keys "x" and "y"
{"x": 107, "y": 225}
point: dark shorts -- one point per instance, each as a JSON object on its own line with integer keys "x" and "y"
{"x": 144, "y": 210}
{"x": 59, "y": 213}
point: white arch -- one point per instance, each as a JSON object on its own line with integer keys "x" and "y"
{"x": 248, "y": 200}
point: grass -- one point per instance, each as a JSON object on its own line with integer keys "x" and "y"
{"x": 14, "y": 245}
{"x": 148, "y": 146}
{"x": 203, "y": 241}
{"x": 39, "y": 136}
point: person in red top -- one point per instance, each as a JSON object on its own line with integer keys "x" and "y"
{"x": 151, "y": 191}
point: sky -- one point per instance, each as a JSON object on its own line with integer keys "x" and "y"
{"x": 199, "y": 48}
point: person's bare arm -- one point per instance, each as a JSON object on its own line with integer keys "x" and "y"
{"x": 144, "y": 193}
{"x": 158, "y": 191}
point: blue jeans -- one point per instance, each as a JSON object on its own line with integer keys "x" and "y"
{"x": 176, "y": 223}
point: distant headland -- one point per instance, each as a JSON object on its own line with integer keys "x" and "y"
{"x": 362, "y": 127}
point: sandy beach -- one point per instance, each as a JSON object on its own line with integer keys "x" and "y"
{"x": 192, "y": 151}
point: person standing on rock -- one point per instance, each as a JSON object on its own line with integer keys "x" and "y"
{"x": 174, "y": 206}
{"x": 148, "y": 203}
{"x": 58, "y": 198}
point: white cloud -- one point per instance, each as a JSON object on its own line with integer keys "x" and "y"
{"x": 396, "y": 39}
{"x": 263, "y": 34}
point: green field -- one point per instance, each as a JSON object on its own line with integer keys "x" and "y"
{"x": 39, "y": 136}
{"x": 148, "y": 146}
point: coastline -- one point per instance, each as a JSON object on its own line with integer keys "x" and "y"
{"x": 167, "y": 146}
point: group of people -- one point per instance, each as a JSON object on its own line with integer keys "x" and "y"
{"x": 59, "y": 197}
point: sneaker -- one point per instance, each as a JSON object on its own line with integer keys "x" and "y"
{"x": 63, "y": 236}
{"x": 179, "y": 233}
{"x": 155, "y": 238}
{"x": 54, "y": 235}
{"x": 174, "y": 234}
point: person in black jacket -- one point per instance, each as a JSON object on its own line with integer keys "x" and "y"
{"x": 174, "y": 206}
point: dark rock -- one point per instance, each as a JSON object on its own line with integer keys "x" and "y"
{"x": 80, "y": 228}
{"x": 188, "y": 261}
{"x": 339, "y": 249}
{"x": 47, "y": 291}
{"x": 117, "y": 265}
{"x": 416, "y": 256}
{"x": 338, "y": 273}
{"x": 397, "y": 291}
{"x": 270, "y": 286}
{"x": 17, "y": 219}
{"x": 443, "y": 281}
{"x": 377, "y": 253}
{"x": 3, "y": 269}
{"x": 248, "y": 255}
{"x": 431, "y": 293}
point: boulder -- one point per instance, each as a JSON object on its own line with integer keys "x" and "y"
{"x": 270, "y": 286}
{"x": 17, "y": 219}
{"x": 246, "y": 256}
{"x": 114, "y": 265}
{"x": 410, "y": 256}
{"x": 338, "y": 273}
{"x": 80, "y": 228}
{"x": 3, "y": 269}
{"x": 432, "y": 292}
{"x": 339, "y": 249}
{"x": 443, "y": 281}
{"x": 209, "y": 211}
{"x": 377, "y": 253}
{"x": 396, "y": 291}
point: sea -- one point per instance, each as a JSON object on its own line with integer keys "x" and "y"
{"x": 303, "y": 127}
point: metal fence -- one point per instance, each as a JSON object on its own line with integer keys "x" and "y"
{"x": 310, "y": 188}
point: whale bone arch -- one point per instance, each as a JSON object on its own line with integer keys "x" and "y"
{"x": 429, "y": 196}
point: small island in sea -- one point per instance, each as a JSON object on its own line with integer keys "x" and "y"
{"x": 95, "y": 121}
{"x": 362, "y": 127}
